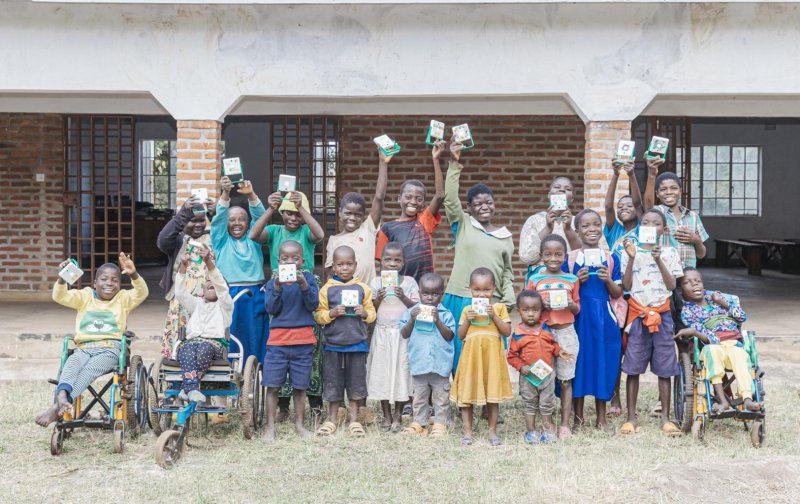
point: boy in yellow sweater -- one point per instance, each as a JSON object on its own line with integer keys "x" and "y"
{"x": 101, "y": 320}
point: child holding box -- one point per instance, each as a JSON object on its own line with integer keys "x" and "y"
{"x": 561, "y": 298}
{"x": 290, "y": 348}
{"x": 430, "y": 356}
{"x": 415, "y": 226}
{"x": 531, "y": 343}
{"x": 99, "y": 325}
{"x": 345, "y": 309}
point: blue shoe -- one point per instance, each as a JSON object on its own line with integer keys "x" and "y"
{"x": 548, "y": 437}
{"x": 532, "y": 437}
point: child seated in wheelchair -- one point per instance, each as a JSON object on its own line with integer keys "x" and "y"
{"x": 715, "y": 319}
{"x": 99, "y": 325}
{"x": 210, "y": 315}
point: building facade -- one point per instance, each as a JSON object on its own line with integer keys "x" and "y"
{"x": 112, "y": 112}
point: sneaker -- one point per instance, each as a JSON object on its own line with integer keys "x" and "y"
{"x": 532, "y": 437}
{"x": 408, "y": 410}
{"x": 548, "y": 437}
{"x": 196, "y": 396}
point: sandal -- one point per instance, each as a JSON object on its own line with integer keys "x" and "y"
{"x": 495, "y": 441}
{"x": 355, "y": 429}
{"x": 629, "y": 428}
{"x": 415, "y": 429}
{"x": 466, "y": 440}
{"x": 669, "y": 429}
{"x": 438, "y": 430}
{"x": 327, "y": 429}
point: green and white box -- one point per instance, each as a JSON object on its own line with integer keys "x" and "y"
{"x": 648, "y": 235}
{"x": 71, "y": 272}
{"x": 388, "y": 146}
{"x": 202, "y": 195}
{"x": 435, "y": 132}
{"x": 593, "y": 258}
{"x": 658, "y": 148}
{"x": 287, "y": 183}
{"x": 463, "y": 135}
{"x": 558, "y": 299}
{"x": 625, "y": 151}
{"x": 287, "y": 273}
{"x": 558, "y": 202}
{"x": 232, "y": 168}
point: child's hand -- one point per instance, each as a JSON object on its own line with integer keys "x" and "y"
{"x": 630, "y": 247}
{"x": 570, "y": 303}
{"x": 566, "y": 216}
{"x": 415, "y": 313}
{"x": 546, "y": 303}
{"x": 684, "y": 334}
{"x": 602, "y": 273}
{"x": 683, "y": 235}
{"x": 551, "y": 217}
{"x": 381, "y": 293}
{"x": 296, "y": 198}
{"x": 211, "y": 206}
{"x": 63, "y": 265}
{"x": 490, "y": 310}
{"x": 399, "y": 293}
{"x": 360, "y": 311}
{"x": 301, "y": 281}
{"x": 566, "y": 356}
{"x": 616, "y": 165}
{"x": 438, "y": 149}
{"x": 583, "y": 274}
{"x": 455, "y": 150}
{"x": 653, "y": 165}
{"x": 225, "y": 184}
{"x": 525, "y": 370}
{"x": 186, "y": 259}
{"x": 629, "y": 167}
{"x": 338, "y": 311}
{"x": 125, "y": 262}
{"x": 383, "y": 157}
{"x": 191, "y": 201}
{"x": 719, "y": 299}
{"x": 275, "y": 199}
{"x": 471, "y": 315}
{"x": 245, "y": 187}
{"x": 657, "y": 253}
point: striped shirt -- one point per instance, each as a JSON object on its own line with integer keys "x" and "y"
{"x": 544, "y": 283}
{"x": 689, "y": 219}
{"x": 415, "y": 235}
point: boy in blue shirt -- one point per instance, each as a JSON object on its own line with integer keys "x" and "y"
{"x": 291, "y": 341}
{"x": 430, "y": 356}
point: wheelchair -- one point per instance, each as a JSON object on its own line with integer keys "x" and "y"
{"x": 230, "y": 378}
{"x": 125, "y": 412}
{"x": 694, "y": 395}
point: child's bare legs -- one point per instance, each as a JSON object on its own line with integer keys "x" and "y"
{"x": 55, "y": 411}
{"x": 272, "y": 413}
{"x": 631, "y": 395}
{"x": 664, "y": 386}
{"x": 466, "y": 418}
{"x": 492, "y": 411}
{"x": 387, "y": 416}
{"x": 530, "y": 423}
{"x": 299, "y": 398}
{"x": 616, "y": 402}
{"x": 566, "y": 402}
{"x": 600, "y": 408}
{"x": 577, "y": 411}
{"x": 354, "y": 406}
{"x": 547, "y": 423}
{"x": 333, "y": 410}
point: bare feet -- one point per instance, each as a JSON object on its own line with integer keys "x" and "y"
{"x": 269, "y": 434}
{"x": 302, "y": 432}
{"x": 721, "y": 407}
{"x": 54, "y": 412}
{"x": 751, "y": 405}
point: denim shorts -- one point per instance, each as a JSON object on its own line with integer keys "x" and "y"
{"x": 294, "y": 359}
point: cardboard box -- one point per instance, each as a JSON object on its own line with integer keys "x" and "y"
{"x": 463, "y": 135}
{"x": 625, "y": 150}
{"x": 387, "y": 146}
{"x": 593, "y": 257}
{"x": 202, "y": 195}
{"x": 558, "y": 202}
{"x": 232, "y": 168}
{"x": 648, "y": 235}
{"x": 480, "y": 306}
{"x": 287, "y": 273}
{"x": 425, "y": 313}
{"x": 350, "y": 297}
{"x": 540, "y": 369}
{"x": 658, "y": 148}
{"x": 389, "y": 279}
{"x": 71, "y": 273}
{"x": 435, "y": 132}
{"x": 558, "y": 299}
{"x": 287, "y": 183}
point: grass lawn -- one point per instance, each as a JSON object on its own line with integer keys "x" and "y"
{"x": 220, "y": 466}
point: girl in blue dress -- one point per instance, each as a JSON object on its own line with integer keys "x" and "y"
{"x": 600, "y": 340}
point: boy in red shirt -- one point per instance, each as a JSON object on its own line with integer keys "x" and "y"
{"x": 530, "y": 343}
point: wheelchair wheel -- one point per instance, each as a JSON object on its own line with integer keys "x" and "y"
{"x": 259, "y": 400}
{"x": 699, "y": 429}
{"x": 132, "y": 415}
{"x": 248, "y": 394}
{"x": 169, "y": 449}
{"x": 57, "y": 441}
{"x": 758, "y": 433}
{"x": 119, "y": 437}
{"x": 160, "y": 422}
{"x": 683, "y": 392}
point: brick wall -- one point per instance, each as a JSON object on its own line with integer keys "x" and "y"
{"x": 31, "y": 213}
{"x": 516, "y": 156}
{"x": 198, "y": 157}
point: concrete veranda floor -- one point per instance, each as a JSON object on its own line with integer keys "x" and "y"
{"x": 31, "y": 332}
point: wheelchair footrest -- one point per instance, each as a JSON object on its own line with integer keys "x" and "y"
{"x": 88, "y": 423}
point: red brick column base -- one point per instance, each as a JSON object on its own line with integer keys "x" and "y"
{"x": 602, "y": 138}
{"x": 199, "y": 157}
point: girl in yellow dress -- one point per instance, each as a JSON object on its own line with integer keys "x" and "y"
{"x": 482, "y": 374}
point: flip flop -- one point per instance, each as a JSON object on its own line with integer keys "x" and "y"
{"x": 466, "y": 440}
{"x": 415, "y": 429}
{"x": 438, "y": 430}
{"x": 628, "y": 428}
{"x": 327, "y": 429}
{"x": 669, "y": 429}
{"x": 495, "y": 441}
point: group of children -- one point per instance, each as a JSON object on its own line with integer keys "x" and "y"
{"x": 596, "y": 302}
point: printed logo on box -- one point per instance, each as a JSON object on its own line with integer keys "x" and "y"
{"x": 558, "y": 202}
{"x": 648, "y": 235}
{"x": 349, "y": 297}
{"x": 287, "y": 273}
